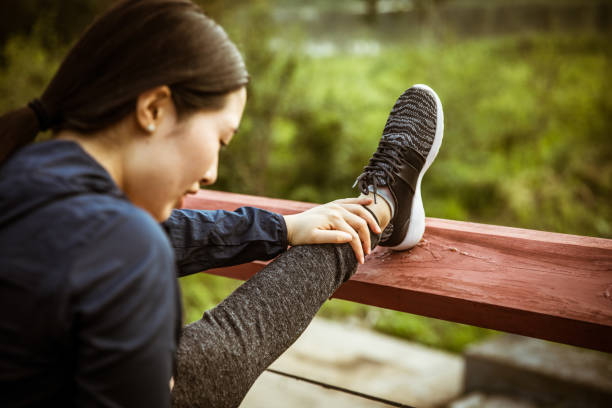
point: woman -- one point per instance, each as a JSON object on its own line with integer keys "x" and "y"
{"x": 89, "y": 298}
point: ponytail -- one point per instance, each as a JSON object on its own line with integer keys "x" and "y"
{"x": 17, "y": 128}
{"x": 20, "y": 127}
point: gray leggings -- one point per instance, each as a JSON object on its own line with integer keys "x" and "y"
{"x": 220, "y": 356}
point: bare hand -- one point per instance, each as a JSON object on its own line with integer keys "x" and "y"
{"x": 337, "y": 222}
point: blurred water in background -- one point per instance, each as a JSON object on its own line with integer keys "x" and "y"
{"x": 363, "y": 27}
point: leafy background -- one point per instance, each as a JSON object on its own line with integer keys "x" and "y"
{"x": 527, "y": 102}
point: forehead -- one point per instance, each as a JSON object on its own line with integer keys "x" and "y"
{"x": 231, "y": 113}
{"x": 226, "y": 118}
{"x": 236, "y": 101}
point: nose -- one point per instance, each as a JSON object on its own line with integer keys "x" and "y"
{"x": 209, "y": 177}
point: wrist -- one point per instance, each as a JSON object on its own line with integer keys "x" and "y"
{"x": 289, "y": 224}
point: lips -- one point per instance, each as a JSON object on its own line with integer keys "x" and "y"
{"x": 180, "y": 202}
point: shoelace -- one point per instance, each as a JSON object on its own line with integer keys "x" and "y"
{"x": 384, "y": 164}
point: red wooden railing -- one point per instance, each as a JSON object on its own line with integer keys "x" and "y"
{"x": 546, "y": 285}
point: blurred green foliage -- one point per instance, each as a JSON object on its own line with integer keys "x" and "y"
{"x": 527, "y": 130}
{"x": 527, "y": 137}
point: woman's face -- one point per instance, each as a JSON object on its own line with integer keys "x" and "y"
{"x": 181, "y": 155}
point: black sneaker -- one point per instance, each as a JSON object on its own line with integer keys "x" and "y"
{"x": 409, "y": 144}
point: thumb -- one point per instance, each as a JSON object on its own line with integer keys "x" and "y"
{"x": 330, "y": 237}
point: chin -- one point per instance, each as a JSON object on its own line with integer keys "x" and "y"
{"x": 162, "y": 214}
{"x": 159, "y": 212}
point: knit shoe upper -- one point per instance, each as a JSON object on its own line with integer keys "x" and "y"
{"x": 410, "y": 141}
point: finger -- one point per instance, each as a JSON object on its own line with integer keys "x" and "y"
{"x": 330, "y": 237}
{"x": 355, "y": 200}
{"x": 366, "y": 215}
{"x": 361, "y": 226}
{"x": 342, "y": 225}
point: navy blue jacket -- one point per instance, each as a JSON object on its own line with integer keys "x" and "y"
{"x": 89, "y": 300}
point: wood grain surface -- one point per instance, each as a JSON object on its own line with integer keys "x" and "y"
{"x": 547, "y": 285}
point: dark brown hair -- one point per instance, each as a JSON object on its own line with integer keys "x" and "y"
{"x": 135, "y": 46}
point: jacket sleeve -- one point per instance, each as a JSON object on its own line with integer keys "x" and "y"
{"x": 210, "y": 239}
{"x": 126, "y": 309}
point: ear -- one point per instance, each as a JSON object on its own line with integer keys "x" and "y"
{"x": 153, "y": 107}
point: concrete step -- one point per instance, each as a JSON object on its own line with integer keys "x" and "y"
{"x": 361, "y": 360}
{"x": 480, "y": 400}
{"x": 547, "y": 373}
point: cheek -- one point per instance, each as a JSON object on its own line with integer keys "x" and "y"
{"x": 153, "y": 188}
{"x": 201, "y": 158}
{"x": 210, "y": 158}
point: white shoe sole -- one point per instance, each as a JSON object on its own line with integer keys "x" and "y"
{"x": 416, "y": 229}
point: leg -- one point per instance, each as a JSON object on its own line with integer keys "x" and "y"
{"x": 220, "y": 356}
